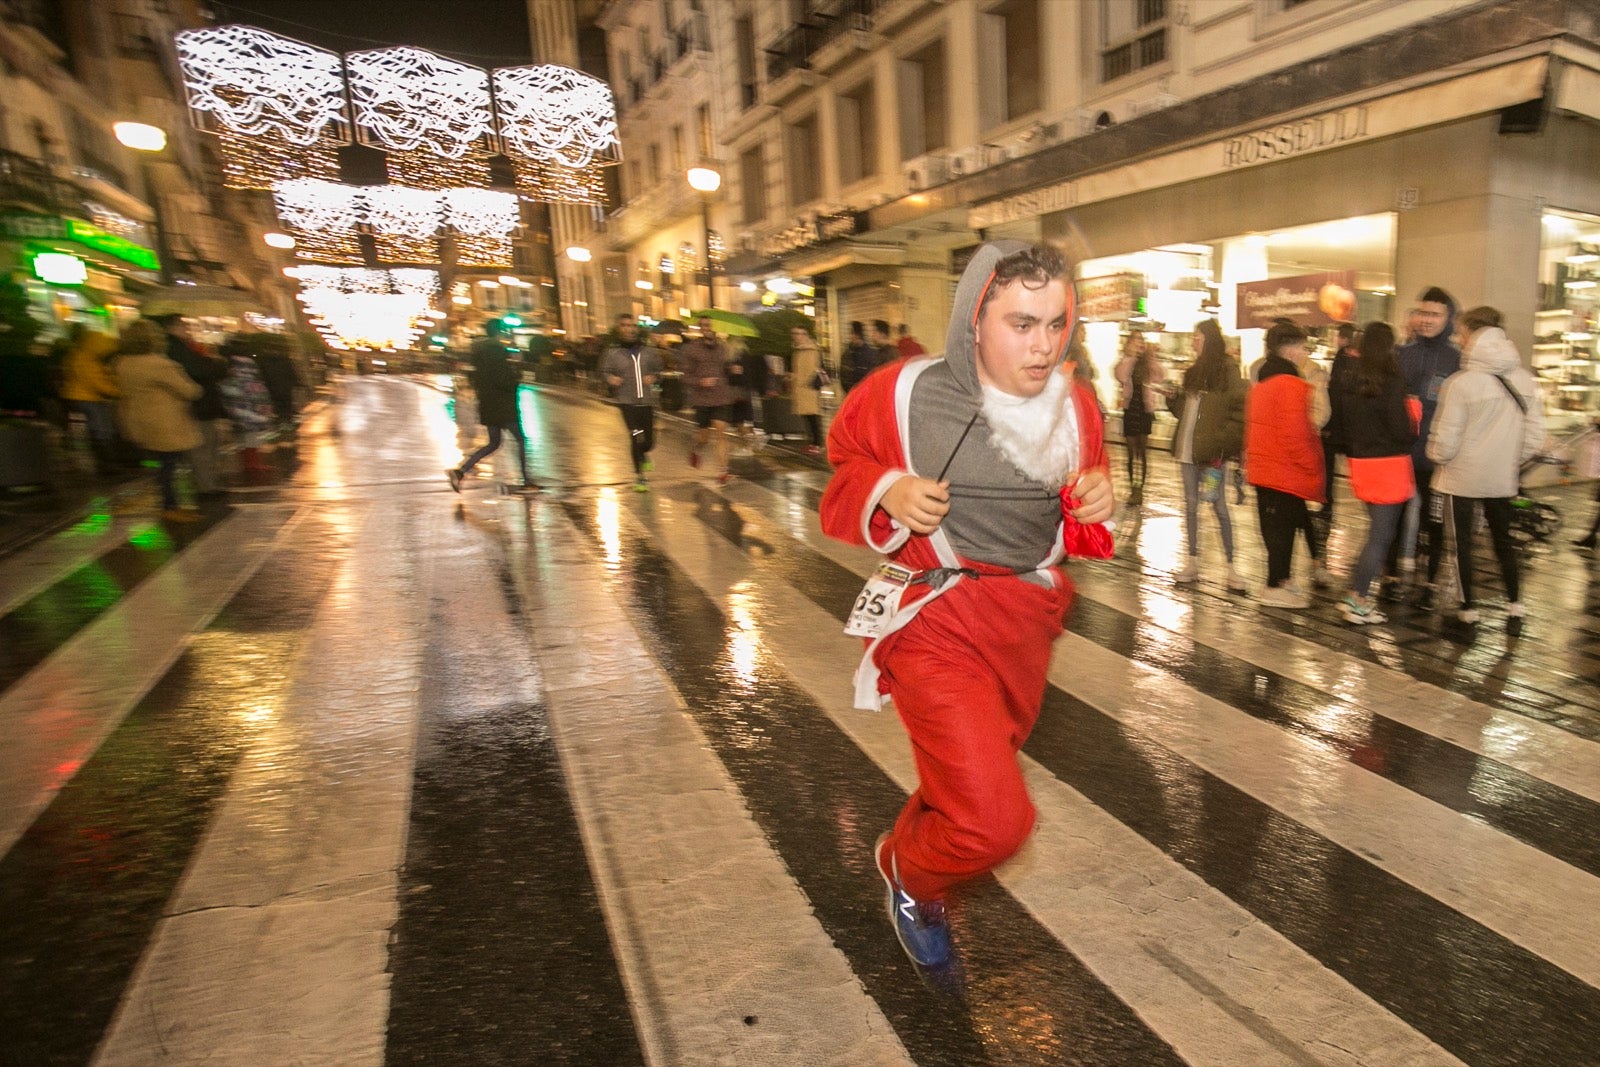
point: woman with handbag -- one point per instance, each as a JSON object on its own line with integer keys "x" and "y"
{"x": 1489, "y": 422}
{"x": 1140, "y": 376}
{"x": 1377, "y": 435}
{"x": 1210, "y": 433}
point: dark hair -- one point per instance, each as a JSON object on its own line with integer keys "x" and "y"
{"x": 493, "y": 328}
{"x": 1347, "y": 332}
{"x": 904, "y": 329}
{"x": 881, "y": 325}
{"x": 1435, "y": 295}
{"x": 1283, "y": 333}
{"x": 1035, "y": 266}
{"x": 1213, "y": 366}
{"x": 1377, "y": 364}
{"x": 857, "y": 329}
{"x": 1480, "y": 317}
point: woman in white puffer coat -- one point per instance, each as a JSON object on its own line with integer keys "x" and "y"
{"x": 1489, "y": 422}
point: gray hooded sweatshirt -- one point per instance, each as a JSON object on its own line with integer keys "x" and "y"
{"x": 998, "y": 515}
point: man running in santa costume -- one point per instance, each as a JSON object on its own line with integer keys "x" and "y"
{"x": 975, "y": 474}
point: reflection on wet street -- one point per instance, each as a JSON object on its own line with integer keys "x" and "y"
{"x": 365, "y": 770}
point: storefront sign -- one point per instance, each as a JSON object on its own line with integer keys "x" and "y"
{"x": 1292, "y": 138}
{"x": 59, "y": 268}
{"x": 1112, "y": 298}
{"x": 56, "y": 228}
{"x": 1028, "y": 205}
{"x": 1306, "y": 300}
{"x": 806, "y": 233}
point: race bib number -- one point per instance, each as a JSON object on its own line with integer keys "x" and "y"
{"x": 879, "y": 600}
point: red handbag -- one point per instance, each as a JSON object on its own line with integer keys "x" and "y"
{"x": 1382, "y": 479}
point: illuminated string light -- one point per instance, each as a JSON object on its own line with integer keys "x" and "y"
{"x": 364, "y": 308}
{"x": 483, "y": 221}
{"x": 553, "y": 183}
{"x": 408, "y": 98}
{"x": 277, "y": 104}
{"x": 322, "y": 216}
{"x": 405, "y": 222}
{"x": 555, "y": 114}
{"x": 427, "y": 170}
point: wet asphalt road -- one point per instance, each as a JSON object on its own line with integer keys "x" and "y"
{"x": 363, "y": 771}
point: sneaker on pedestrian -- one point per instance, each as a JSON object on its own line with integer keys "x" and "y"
{"x": 455, "y": 478}
{"x": 645, "y": 466}
{"x": 1357, "y": 613}
{"x": 1585, "y": 542}
{"x": 1236, "y": 581}
{"x": 1323, "y": 578}
{"x": 1282, "y": 596}
{"x": 812, "y": 450}
{"x": 919, "y": 924}
{"x": 1190, "y": 572}
{"x": 1408, "y": 564}
{"x": 724, "y": 478}
{"x": 1514, "y": 618}
{"x": 1426, "y": 596}
{"x": 641, "y": 486}
{"x": 1468, "y": 616}
{"x": 694, "y": 459}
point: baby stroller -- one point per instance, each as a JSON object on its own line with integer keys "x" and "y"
{"x": 1535, "y": 520}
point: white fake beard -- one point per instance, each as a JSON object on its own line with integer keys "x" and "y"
{"x": 1038, "y": 434}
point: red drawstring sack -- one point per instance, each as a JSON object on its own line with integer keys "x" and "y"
{"x": 1084, "y": 541}
{"x": 1382, "y": 479}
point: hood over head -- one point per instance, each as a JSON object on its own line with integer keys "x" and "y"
{"x": 1491, "y": 351}
{"x": 962, "y": 335}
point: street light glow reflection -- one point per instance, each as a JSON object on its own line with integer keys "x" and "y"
{"x": 140, "y": 136}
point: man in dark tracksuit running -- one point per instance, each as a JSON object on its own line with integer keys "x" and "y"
{"x": 495, "y": 379}
{"x": 631, "y": 369}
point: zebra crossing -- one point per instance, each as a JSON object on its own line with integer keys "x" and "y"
{"x": 367, "y": 773}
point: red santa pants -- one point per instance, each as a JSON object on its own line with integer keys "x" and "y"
{"x": 967, "y": 676}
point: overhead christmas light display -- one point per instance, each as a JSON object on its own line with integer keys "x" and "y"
{"x": 556, "y": 115}
{"x": 405, "y": 222}
{"x": 407, "y": 99}
{"x": 363, "y": 308}
{"x": 323, "y": 216}
{"x": 483, "y": 221}
{"x": 277, "y": 104}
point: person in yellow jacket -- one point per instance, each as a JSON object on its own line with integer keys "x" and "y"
{"x": 89, "y": 387}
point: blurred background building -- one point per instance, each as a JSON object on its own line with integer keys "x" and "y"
{"x": 1318, "y": 159}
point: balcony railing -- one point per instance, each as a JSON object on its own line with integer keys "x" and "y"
{"x": 27, "y": 182}
{"x": 827, "y": 22}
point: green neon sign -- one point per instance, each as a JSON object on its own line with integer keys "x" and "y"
{"x": 54, "y": 227}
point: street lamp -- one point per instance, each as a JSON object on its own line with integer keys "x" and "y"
{"x": 706, "y": 180}
{"x": 148, "y": 140}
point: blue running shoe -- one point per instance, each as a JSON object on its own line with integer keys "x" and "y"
{"x": 919, "y": 924}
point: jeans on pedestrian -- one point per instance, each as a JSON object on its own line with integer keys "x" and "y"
{"x": 1191, "y": 511}
{"x": 1383, "y": 520}
{"x": 640, "y": 419}
{"x": 495, "y": 437}
{"x": 1497, "y": 512}
{"x": 205, "y": 461}
{"x": 1282, "y": 516}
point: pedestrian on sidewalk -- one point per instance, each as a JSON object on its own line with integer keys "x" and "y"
{"x": 806, "y": 379}
{"x": 909, "y": 346}
{"x": 89, "y": 387}
{"x": 631, "y": 368}
{"x": 1283, "y": 459}
{"x": 1343, "y": 363}
{"x": 495, "y": 378}
{"x": 1490, "y": 421}
{"x": 210, "y": 410}
{"x": 1425, "y": 362}
{"x": 248, "y": 404}
{"x": 705, "y": 373}
{"x": 1140, "y": 377}
{"x": 1376, "y": 433}
{"x": 156, "y": 408}
{"x": 1210, "y": 434}
{"x": 961, "y": 619}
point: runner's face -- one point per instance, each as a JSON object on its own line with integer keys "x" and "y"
{"x": 629, "y": 329}
{"x": 1020, "y": 335}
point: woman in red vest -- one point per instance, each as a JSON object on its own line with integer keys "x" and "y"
{"x": 1283, "y": 456}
